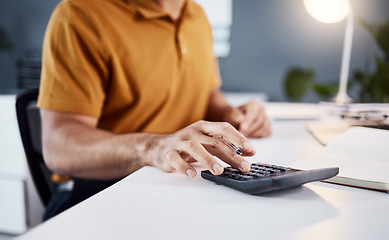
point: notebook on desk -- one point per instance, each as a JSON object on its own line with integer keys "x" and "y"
{"x": 362, "y": 155}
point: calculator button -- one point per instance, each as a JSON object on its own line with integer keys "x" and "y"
{"x": 264, "y": 165}
{"x": 246, "y": 178}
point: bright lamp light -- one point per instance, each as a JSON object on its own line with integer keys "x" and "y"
{"x": 327, "y": 11}
{"x": 332, "y": 11}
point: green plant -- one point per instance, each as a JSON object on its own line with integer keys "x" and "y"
{"x": 299, "y": 81}
{"x": 373, "y": 83}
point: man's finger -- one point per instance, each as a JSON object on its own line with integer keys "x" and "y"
{"x": 175, "y": 160}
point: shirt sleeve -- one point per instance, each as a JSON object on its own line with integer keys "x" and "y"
{"x": 74, "y": 64}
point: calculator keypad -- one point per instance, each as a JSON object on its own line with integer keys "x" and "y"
{"x": 258, "y": 170}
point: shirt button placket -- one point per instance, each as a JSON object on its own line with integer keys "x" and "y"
{"x": 184, "y": 50}
{"x": 181, "y": 46}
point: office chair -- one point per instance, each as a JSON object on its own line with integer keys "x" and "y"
{"x": 30, "y": 131}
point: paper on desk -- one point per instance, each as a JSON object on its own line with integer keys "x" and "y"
{"x": 360, "y": 113}
{"x": 356, "y": 106}
{"x": 326, "y": 130}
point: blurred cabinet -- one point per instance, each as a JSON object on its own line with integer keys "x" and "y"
{"x": 13, "y": 169}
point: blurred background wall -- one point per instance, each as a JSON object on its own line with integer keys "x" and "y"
{"x": 268, "y": 37}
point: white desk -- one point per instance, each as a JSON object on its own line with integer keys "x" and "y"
{"x": 151, "y": 204}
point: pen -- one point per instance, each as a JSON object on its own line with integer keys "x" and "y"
{"x": 232, "y": 146}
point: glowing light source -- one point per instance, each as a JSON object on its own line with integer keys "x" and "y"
{"x": 328, "y": 11}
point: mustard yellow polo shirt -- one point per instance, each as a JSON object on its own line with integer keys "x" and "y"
{"x": 128, "y": 64}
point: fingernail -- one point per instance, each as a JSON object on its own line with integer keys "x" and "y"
{"x": 217, "y": 169}
{"x": 190, "y": 173}
{"x": 245, "y": 166}
{"x": 247, "y": 146}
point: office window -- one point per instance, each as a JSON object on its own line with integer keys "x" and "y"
{"x": 219, "y": 13}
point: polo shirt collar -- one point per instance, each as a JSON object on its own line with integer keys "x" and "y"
{"x": 149, "y": 9}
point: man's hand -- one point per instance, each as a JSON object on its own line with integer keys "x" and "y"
{"x": 200, "y": 142}
{"x": 250, "y": 119}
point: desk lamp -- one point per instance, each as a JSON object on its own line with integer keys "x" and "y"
{"x": 333, "y": 11}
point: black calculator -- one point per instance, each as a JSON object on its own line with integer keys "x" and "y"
{"x": 267, "y": 177}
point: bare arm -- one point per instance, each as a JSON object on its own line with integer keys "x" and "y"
{"x": 72, "y": 145}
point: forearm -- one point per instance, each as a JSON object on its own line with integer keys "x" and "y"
{"x": 85, "y": 152}
{"x": 217, "y": 106}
